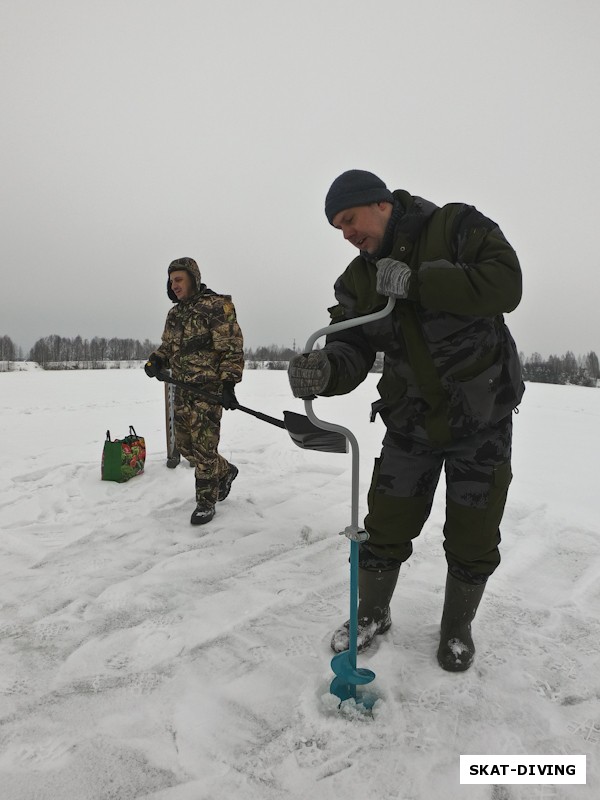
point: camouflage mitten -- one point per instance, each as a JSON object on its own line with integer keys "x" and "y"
{"x": 153, "y": 366}
{"x": 229, "y": 401}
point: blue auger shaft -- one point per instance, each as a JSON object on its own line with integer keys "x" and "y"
{"x": 353, "y": 641}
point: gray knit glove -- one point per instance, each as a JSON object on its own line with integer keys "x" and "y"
{"x": 309, "y": 374}
{"x": 393, "y": 278}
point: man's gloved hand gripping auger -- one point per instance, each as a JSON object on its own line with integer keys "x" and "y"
{"x": 393, "y": 278}
{"x": 309, "y": 374}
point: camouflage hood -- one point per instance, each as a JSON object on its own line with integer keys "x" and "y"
{"x": 189, "y": 266}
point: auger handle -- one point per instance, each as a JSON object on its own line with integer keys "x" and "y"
{"x": 330, "y": 426}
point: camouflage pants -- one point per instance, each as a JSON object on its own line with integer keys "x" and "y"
{"x": 405, "y": 477}
{"x": 197, "y": 432}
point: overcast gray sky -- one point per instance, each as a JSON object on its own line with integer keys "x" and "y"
{"x": 137, "y": 131}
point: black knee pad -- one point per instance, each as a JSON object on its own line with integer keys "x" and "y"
{"x": 374, "y": 562}
{"x": 466, "y": 575}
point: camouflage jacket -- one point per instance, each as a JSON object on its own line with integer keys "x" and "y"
{"x": 202, "y": 341}
{"x": 451, "y": 367}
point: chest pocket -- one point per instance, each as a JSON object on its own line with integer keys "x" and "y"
{"x": 196, "y": 344}
{"x": 403, "y": 251}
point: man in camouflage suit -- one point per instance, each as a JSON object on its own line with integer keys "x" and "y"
{"x": 451, "y": 379}
{"x": 202, "y": 343}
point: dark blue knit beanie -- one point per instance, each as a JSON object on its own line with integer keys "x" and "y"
{"x": 355, "y": 188}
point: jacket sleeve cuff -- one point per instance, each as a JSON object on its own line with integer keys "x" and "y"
{"x": 413, "y": 288}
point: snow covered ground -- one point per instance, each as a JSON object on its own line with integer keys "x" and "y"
{"x": 141, "y": 657}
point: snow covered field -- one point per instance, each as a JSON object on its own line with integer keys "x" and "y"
{"x": 141, "y": 657}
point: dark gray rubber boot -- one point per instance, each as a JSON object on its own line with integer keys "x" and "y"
{"x": 457, "y": 651}
{"x": 375, "y": 590}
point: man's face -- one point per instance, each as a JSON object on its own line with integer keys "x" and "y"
{"x": 181, "y": 284}
{"x": 364, "y": 226}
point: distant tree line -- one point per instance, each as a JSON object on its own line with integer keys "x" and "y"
{"x": 271, "y": 353}
{"x": 9, "y": 353}
{"x": 566, "y": 369}
{"x": 271, "y": 357}
{"x": 54, "y": 350}
{"x": 60, "y": 350}
{"x": 8, "y": 350}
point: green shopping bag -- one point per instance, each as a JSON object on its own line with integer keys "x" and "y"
{"x": 123, "y": 459}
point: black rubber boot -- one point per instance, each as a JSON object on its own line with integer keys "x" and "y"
{"x": 202, "y": 514}
{"x": 375, "y": 590}
{"x": 457, "y": 651}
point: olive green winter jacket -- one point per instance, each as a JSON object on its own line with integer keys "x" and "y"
{"x": 451, "y": 367}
